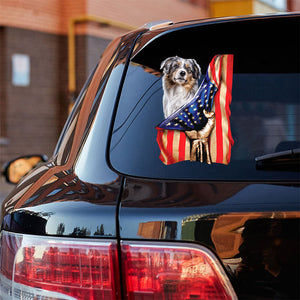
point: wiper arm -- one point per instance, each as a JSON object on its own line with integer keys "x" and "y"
{"x": 288, "y": 160}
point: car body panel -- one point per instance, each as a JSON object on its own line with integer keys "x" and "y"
{"x": 67, "y": 206}
{"x": 176, "y": 209}
{"x": 252, "y": 227}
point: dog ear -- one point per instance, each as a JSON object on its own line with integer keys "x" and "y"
{"x": 196, "y": 69}
{"x": 165, "y": 65}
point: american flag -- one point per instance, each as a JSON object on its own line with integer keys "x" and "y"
{"x": 214, "y": 94}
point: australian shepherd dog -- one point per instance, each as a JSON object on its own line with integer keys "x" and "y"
{"x": 180, "y": 82}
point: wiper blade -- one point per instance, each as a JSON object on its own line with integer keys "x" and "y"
{"x": 288, "y": 160}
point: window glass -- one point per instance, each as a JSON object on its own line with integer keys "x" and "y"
{"x": 73, "y": 115}
{"x": 260, "y": 117}
{"x": 91, "y": 165}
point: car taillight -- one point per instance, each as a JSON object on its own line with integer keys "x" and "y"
{"x": 57, "y": 268}
{"x": 173, "y": 271}
{"x": 34, "y": 267}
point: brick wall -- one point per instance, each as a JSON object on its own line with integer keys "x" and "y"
{"x": 138, "y": 12}
{"x": 53, "y": 15}
{"x": 32, "y": 14}
{"x": 33, "y": 115}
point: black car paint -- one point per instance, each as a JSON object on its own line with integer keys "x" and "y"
{"x": 71, "y": 202}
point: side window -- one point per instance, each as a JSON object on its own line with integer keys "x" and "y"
{"x": 209, "y": 111}
{"x": 70, "y": 123}
{"x": 105, "y": 65}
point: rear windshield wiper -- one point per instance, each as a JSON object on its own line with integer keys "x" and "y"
{"x": 288, "y": 160}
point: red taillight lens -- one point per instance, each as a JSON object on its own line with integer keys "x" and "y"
{"x": 57, "y": 268}
{"x": 173, "y": 271}
{"x": 33, "y": 267}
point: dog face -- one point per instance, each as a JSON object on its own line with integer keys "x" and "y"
{"x": 180, "y": 70}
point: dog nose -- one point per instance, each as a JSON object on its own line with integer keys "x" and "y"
{"x": 182, "y": 73}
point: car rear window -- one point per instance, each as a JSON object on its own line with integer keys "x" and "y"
{"x": 260, "y": 67}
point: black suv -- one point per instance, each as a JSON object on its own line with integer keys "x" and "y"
{"x": 147, "y": 199}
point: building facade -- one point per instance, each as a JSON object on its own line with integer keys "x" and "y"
{"x": 222, "y": 8}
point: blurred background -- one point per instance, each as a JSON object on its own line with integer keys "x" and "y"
{"x": 37, "y": 37}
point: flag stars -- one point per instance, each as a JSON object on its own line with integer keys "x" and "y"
{"x": 191, "y": 115}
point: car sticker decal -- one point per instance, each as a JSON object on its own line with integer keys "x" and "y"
{"x": 199, "y": 130}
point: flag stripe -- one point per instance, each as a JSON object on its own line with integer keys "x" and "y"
{"x": 182, "y": 146}
{"x": 174, "y": 146}
{"x": 170, "y": 136}
{"x": 221, "y": 139}
{"x": 218, "y": 65}
{"x": 214, "y": 70}
{"x": 224, "y": 123}
{"x": 212, "y": 67}
{"x": 219, "y": 144}
{"x": 218, "y": 115}
{"x": 159, "y": 139}
{"x": 229, "y": 76}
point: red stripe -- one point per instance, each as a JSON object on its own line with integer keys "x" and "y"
{"x": 165, "y": 143}
{"x": 213, "y": 68}
{"x": 159, "y": 136}
{"x": 169, "y": 149}
{"x": 219, "y": 130}
{"x": 182, "y": 140}
{"x": 228, "y": 101}
{"x": 219, "y": 136}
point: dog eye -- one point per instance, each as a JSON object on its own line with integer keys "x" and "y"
{"x": 176, "y": 66}
{"x": 189, "y": 70}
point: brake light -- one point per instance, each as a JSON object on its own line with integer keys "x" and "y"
{"x": 173, "y": 271}
{"x": 58, "y": 268}
{"x": 34, "y": 267}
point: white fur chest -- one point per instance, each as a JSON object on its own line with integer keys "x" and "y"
{"x": 174, "y": 98}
